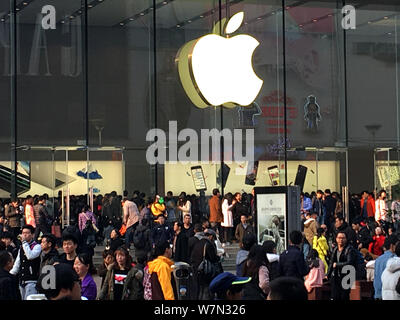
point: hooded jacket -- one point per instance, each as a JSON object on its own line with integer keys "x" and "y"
{"x": 310, "y": 229}
{"x": 390, "y": 277}
{"x": 321, "y": 245}
{"x": 162, "y": 267}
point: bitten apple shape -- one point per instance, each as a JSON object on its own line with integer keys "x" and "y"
{"x": 216, "y": 70}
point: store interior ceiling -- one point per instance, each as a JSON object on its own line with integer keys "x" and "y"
{"x": 376, "y": 17}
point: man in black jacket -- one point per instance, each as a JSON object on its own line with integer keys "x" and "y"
{"x": 329, "y": 204}
{"x": 203, "y": 247}
{"x": 8, "y": 282}
{"x": 238, "y": 209}
{"x": 49, "y": 253}
{"x": 291, "y": 261}
{"x": 342, "y": 226}
{"x": 363, "y": 236}
{"x": 343, "y": 255}
{"x": 161, "y": 232}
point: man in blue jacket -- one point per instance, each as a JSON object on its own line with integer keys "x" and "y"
{"x": 291, "y": 261}
{"x": 380, "y": 264}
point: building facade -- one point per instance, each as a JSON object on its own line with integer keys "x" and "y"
{"x": 83, "y": 82}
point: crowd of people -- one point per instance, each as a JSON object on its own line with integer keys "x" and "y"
{"x": 145, "y": 238}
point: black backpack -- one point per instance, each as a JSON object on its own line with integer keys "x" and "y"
{"x": 139, "y": 239}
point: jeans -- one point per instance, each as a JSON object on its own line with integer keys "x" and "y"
{"x": 28, "y": 289}
{"x": 321, "y": 219}
{"x": 129, "y": 235}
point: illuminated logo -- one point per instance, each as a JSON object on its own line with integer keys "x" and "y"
{"x": 217, "y": 70}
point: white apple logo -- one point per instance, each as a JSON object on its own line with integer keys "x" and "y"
{"x": 216, "y": 70}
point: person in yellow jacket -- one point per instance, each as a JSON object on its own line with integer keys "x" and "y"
{"x": 160, "y": 268}
{"x": 321, "y": 245}
{"x": 158, "y": 207}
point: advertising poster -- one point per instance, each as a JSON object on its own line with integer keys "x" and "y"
{"x": 271, "y": 219}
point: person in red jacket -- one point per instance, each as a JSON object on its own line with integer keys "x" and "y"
{"x": 367, "y": 210}
{"x": 376, "y": 245}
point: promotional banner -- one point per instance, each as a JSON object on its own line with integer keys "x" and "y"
{"x": 271, "y": 210}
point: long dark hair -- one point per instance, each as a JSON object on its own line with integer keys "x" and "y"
{"x": 229, "y": 197}
{"x": 257, "y": 257}
{"x": 313, "y": 259}
{"x": 87, "y": 260}
{"x": 128, "y": 261}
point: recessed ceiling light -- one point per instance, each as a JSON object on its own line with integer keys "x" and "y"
{"x": 385, "y": 17}
{"x": 165, "y": 2}
{"x": 122, "y": 23}
{"x": 62, "y": 21}
{"x": 202, "y": 16}
{"x": 25, "y": 3}
{"x": 189, "y": 21}
{"x": 131, "y": 19}
{"x": 315, "y": 20}
{"x": 142, "y": 14}
{"x": 178, "y": 25}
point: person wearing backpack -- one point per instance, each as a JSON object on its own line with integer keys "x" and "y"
{"x": 87, "y": 227}
{"x": 141, "y": 238}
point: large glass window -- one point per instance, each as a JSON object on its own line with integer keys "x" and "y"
{"x": 108, "y": 73}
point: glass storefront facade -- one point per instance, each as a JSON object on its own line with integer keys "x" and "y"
{"x": 85, "y": 94}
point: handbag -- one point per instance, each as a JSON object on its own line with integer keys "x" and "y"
{"x": 122, "y": 230}
{"x": 56, "y": 230}
{"x": 207, "y": 270}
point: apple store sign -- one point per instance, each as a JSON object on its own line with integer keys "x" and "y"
{"x": 217, "y": 70}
